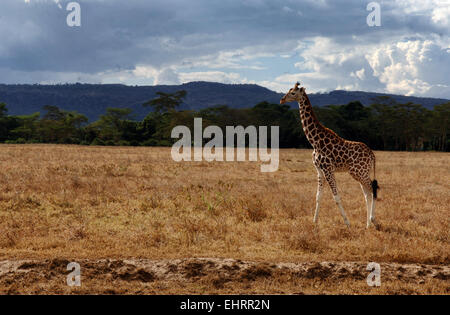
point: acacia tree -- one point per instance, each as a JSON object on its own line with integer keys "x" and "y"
{"x": 167, "y": 102}
{"x": 156, "y": 127}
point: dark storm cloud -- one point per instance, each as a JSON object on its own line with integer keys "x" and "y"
{"x": 117, "y": 35}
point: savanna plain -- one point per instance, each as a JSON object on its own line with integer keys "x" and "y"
{"x": 139, "y": 223}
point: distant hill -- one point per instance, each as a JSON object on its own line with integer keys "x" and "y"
{"x": 93, "y": 99}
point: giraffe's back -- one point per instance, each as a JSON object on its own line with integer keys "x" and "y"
{"x": 343, "y": 156}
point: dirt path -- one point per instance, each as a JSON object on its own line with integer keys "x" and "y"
{"x": 210, "y": 275}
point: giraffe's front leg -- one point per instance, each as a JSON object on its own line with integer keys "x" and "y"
{"x": 319, "y": 193}
{"x": 332, "y": 182}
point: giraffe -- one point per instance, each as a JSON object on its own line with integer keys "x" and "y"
{"x": 334, "y": 154}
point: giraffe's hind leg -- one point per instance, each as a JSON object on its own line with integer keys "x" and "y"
{"x": 366, "y": 185}
{"x": 372, "y": 212}
{"x": 369, "y": 200}
{"x": 332, "y": 182}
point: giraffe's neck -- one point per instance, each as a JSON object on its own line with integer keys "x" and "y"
{"x": 313, "y": 129}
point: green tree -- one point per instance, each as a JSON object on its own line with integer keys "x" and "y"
{"x": 291, "y": 131}
{"x": 4, "y": 130}
{"x": 26, "y": 129}
{"x": 384, "y": 122}
{"x": 59, "y": 126}
{"x": 3, "y": 110}
{"x": 113, "y": 127}
{"x": 411, "y": 120}
{"x": 439, "y": 127}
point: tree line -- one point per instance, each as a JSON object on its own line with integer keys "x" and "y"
{"x": 384, "y": 125}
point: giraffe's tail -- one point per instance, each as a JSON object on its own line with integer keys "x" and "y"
{"x": 375, "y": 186}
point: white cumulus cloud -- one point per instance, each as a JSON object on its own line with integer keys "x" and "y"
{"x": 404, "y": 65}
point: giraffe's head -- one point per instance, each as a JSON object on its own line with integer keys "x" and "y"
{"x": 295, "y": 94}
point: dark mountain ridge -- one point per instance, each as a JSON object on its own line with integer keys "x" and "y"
{"x": 93, "y": 99}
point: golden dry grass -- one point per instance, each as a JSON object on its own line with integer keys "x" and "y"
{"x": 77, "y": 202}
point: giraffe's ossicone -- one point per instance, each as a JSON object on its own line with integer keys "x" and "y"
{"x": 334, "y": 154}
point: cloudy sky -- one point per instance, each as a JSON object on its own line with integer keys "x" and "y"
{"x": 326, "y": 44}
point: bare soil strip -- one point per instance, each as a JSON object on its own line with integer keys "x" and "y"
{"x": 49, "y": 276}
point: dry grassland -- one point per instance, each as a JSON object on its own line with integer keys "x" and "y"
{"x": 87, "y": 204}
